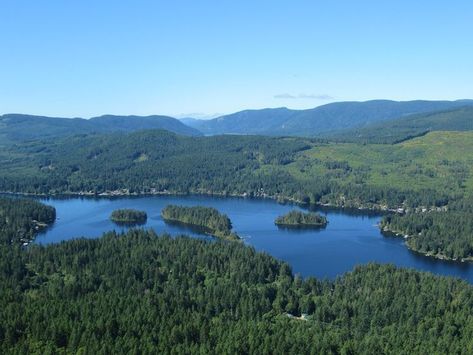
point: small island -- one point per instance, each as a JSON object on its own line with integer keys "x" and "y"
{"x": 205, "y": 219}
{"x": 128, "y": 217}
{"x": 297, "y": 219}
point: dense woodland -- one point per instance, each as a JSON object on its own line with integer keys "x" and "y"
{"x": 143, "y": 293}
{"x": 292, "y": 168}
{"x": 206, "y": 219}
{"x": 301, "y": 219}
{"x": 442, "y": 234}
{"x": 145, "y": 162}
{"x": 20, "y": 219}
{"x": 128, "y": 216}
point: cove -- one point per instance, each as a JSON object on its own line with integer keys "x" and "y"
{"x": 350, "y": 238}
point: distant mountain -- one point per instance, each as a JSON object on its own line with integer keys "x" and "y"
{"x": 19, "y": 127}
{"x": 393, "y": 131}
{"x": 136, "y": 123}
{"x": 190, "y": 121}
{"x": 319, "y": 120}
{"x": 335, "y": 120}
{"x": 264, "y": 121}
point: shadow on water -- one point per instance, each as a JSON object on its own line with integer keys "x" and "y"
{"x": 189, "y": 227}
{"x": 130, "y": 224}
{"x": 301, "y": 228}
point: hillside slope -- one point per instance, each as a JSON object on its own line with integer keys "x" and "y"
{"x": 398, "y": 130}
{"x": 424, "y": 171}
{"x": 322, "y": 119}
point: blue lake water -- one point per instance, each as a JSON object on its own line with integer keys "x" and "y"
{"x": 351, "y": 237}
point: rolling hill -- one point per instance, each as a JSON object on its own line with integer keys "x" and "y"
{"x": 319, "y": 120}
{"x": 19, "y": 127}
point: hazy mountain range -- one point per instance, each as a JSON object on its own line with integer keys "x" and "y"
{"x": 379, "y": 121}
{"x": 319, "y": 120}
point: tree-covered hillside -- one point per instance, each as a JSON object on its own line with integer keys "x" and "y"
{"x": 426, "y": 171}
{"x": 146, "y": 161}
{"x": 398, "y": 130}
{"x": 445, "y": 235}
{"x": 16, "y": 128}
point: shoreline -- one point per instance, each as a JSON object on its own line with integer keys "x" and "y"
{"x": 276, "y": 198}
{"x": 351, "y": 205}
{"x": 205, "y": 230}
{"x": 301, "y": 226}
{"x": 438, "y": 256}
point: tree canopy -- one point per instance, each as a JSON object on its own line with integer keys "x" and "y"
{"x": 206, "y": 219}
{"x": 301, "y": 219}
{"x": 128, "y": 216}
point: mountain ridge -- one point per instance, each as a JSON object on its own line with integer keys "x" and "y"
{"x": 315, "y": 121}
{"x": 322, "y": 121}
{"x": 22, "y": 127}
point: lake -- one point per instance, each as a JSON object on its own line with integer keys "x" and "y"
{"x": 351, "y": 237}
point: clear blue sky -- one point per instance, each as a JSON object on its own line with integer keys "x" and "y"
{"x": 86, "y": 58}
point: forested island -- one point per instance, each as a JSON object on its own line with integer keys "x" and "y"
{"x": 128, "y": 216}
{"x": 298, "y": 219}
{"x": 143, "y": 293}
{"x": 207, "y": 219}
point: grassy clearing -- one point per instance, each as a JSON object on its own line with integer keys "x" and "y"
{"x": 438, "y": 160}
